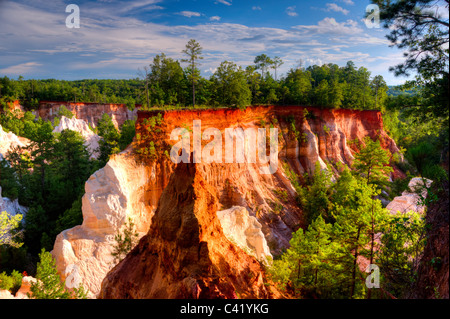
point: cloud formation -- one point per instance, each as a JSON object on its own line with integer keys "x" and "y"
{"x": 225, "y": 2}
{"x": 190, "y": 14}
{"x": 336, "y": 8}
{"x": 114, "y": 42}
{"x": 19, "y": 69}
{"x": 290, "y": 11}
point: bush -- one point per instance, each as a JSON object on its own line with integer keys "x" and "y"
{"x": 49, "y": 284}
{"x": 12, "y": 282}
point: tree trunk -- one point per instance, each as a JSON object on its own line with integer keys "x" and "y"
{"x": 354, "y": 266}
{"x": 193, "y": 84}
{"x": 372, "y": 245}
{"x": 148, "y": 95}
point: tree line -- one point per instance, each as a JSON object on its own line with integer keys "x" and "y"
{"x": 164, "y": 82}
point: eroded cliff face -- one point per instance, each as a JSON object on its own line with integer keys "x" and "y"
{"x": 305, "y": 136}
{"x": 185, "y": 253}
{"x": 123, "y": 189}
{"x": 89, "y": 112}
{"x": 196, "y": 195}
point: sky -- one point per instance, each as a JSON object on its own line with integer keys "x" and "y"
{"x": 117, "y": 38}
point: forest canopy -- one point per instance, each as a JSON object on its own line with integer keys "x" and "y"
{"x": 165, "y": 83}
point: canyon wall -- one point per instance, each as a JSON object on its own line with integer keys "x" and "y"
{"x": 90, "y": 112}
{"x": 267, "y": 201}
{"x": 124, "y": 189}
{"x": 185, "y": 253}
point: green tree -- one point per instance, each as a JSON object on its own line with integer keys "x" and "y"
{"x": 359, "y": 217}
{"x": 299, "y": 86}
{"x": 127, "y": 133}
{"x": 276, "y": 63}
{"x": 379, "y": 89}
{"x": 230, "y": 85}
{"x": 254, "y": 82}
{"x": 48, "y": 284}
{"x": 403, "y": 240}
{"x": 335, "y": 94}
{"x": 372, "y": 162}
{"x": 8, "y": 226}
{"x": 193, "y": 51}
{"x": 263, "y": 62}
{"x": 168, "y": 80}
{"x": 109, "y": 142}
{"x": 71, "y": 167}
{"x": 305, "y": 265}
{"x": 314, "y": 198}
{"x": 419, "y": 28}
{"x": 124, "y": 241}
{"x": 321, "y": 94}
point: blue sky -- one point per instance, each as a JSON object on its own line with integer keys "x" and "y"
{"x": 116, "y": 38}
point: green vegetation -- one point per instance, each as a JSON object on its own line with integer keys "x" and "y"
{"x": 11, "y": 282}
{"x": 372, "y": 163}
{"x": 48, "y": 177}
{"x": 164, "y": 83}
{"x": 343, "y": 215}
{"x": 124, "y": 241}
{"x": 49, "y": 285}
{"x": 343, "y": 220}
{"x": 8, "y": 224}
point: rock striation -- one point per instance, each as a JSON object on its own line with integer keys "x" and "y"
{"x": 186, "y": 253}
{"x": 89, "y": 112}
{"x": 246, "y": 204}
{"x": 120, "y": 190}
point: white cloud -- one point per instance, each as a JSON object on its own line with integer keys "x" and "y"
{"x": 331, "y": 27}
{"x": 256, "y": 8}
{"x": 336, "y": 8}
{"x": 141, "y": 5}
{"x": 110, "y": 44}
{"x": 291, "y": 11}
{"x": 190, "y": 14}
{"x": 20, "y": 69}
{"x": 228, "y": 3}
{"x": 349, "y": 2}
{"x": 214, "y": 18}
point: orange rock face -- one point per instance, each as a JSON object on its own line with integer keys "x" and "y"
{"x": 186, "y": 254}
{"x": 324, "y": 136}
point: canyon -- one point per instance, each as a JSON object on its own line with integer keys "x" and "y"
{"x": 247, "y": 205}
{"x": 204, "y": 230}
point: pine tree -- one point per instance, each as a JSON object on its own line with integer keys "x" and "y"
{"x": 315, "y": 198}
{"x": 305, "y": 265}
{"x": 372, "y": 162}
{"x": 359, "y": 217}
{"x": 48, "y": 284}
{"x": 193, "y": 51}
